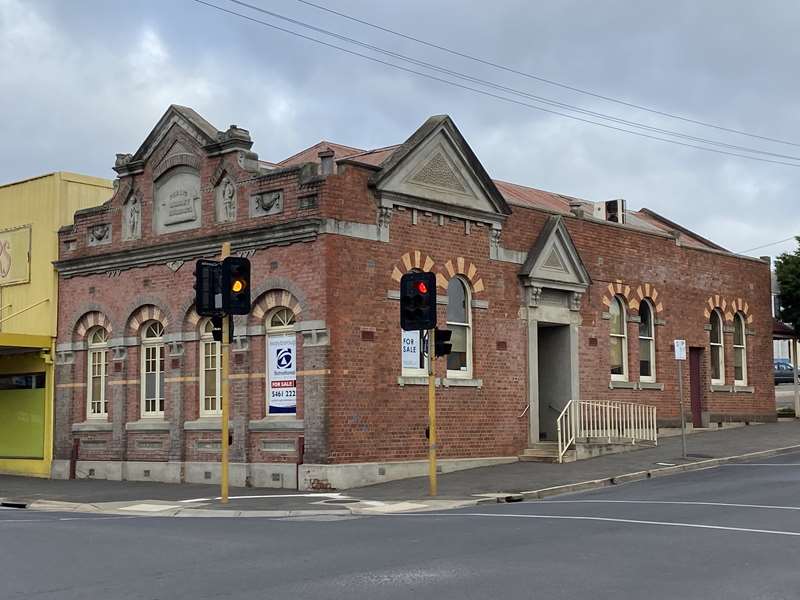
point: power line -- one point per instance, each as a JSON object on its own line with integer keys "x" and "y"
{"x": 484, "y": 92}
{"x": 545, "y": 80}
{"x": 794, "y": 237}
{"x": 510, "y": 90}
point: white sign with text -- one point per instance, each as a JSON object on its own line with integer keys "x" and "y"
{"x": 282, "y": 369}
{"x": 680, "y": 349}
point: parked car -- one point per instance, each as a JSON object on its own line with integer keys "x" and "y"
{"x": 783, "y": 371}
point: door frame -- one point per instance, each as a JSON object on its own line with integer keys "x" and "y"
{"x": 696, "y": 384}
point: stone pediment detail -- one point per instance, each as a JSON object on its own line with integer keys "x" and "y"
{"x": 435, "y": 169}
{"x": 553, "y": 261}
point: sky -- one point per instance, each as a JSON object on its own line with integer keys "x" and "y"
{"x": 82, "y": 80}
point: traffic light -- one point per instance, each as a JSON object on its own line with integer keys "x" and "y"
{"x": 236, "y": 286}
{"x": 417, "y": 301}
{"x": 206, "y": 286}
{"x": 442, "y": 345}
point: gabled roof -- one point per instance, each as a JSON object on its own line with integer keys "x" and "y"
{"x": 553, "y": 259}
{"x": 431, "y": 127}
{"x": 204, "y": 131}
{"x": 311, "y": 154}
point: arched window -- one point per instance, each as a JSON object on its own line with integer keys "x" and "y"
{"x": 647, "y": 343}
{"x": 96, "y": 404}
{"x": 152, "y": 371}
{"x": 281, "y": 381}
{"x": 210, "y": 371}
{"x": 739, "y": 351}
{"x": 459, "y": 321}
{"x": 618, "y": 340}
{"x": 717, "y": 354}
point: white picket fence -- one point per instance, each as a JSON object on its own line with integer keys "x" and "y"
{"x": 605, "y": 421}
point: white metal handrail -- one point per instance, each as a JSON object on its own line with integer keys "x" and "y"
{"x": 607, "y": 420}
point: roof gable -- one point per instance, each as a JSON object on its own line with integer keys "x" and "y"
{"x": 437, "y": 164}
{"x": 553, "y": 261}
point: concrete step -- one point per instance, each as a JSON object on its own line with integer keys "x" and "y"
{"x": 545, "y": 452}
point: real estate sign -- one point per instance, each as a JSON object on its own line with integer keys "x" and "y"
{"x": 282, "y": 369}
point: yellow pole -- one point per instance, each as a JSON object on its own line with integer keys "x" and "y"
{"x": 226, "y": 252}
{"x": 432, "y": 414}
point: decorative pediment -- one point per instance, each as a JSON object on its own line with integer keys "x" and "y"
{"x": 554, "y": 262}
{"x": 437, "y": 166}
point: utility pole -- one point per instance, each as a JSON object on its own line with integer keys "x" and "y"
{"x": 225, "y": 395}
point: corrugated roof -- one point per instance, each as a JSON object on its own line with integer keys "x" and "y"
{"x": 311, "y": 154}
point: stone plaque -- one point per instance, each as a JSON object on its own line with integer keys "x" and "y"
{"x": 266, "y": 203}
{"x": 177, "y": 201}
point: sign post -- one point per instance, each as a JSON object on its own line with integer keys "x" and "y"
{"x": 224, "y": 432}
{"x": 680, "y": 357}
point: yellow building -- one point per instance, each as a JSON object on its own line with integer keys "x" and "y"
{"x": 31, "y": 212}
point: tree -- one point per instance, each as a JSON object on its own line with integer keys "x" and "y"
{"x": 787, "y": 271}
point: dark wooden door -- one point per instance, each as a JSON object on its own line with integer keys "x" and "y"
{"x": 695, "y": 385}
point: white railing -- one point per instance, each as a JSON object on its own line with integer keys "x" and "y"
{"x": 605, "y": 420}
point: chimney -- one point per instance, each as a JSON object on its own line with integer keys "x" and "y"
{"x": 326, "y": 162}
{"x": 576, "y": 208}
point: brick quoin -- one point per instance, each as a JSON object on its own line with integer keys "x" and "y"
{"x": 334, "y": 248}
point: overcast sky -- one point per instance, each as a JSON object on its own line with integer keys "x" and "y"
{"x": 84, "y": 79}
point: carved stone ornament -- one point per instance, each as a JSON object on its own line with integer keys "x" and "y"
{"x": 575, "y": 301}
{"x": 266, "y": 203}
{"x": 132, "y": 218}
{"x": 175, "y": 265}
{"x": 495, "y": 237}
{"x": 225, "y": 199}
{"x": 384, "y": 216}
{"x": 100, "y": 234}
{"x": 178, "y": 201}
{"x": 534, "y": 295}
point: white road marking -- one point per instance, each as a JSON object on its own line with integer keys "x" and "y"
{"x": 666, "y": 464}
{"x": 336, "y": 495}
{"x": 761, "y": 465}
{"x": 150, "y": 507}
{"x": 605, "y": 519}
{"x": 65, "y": 519}
{"x": 680, "y": 502}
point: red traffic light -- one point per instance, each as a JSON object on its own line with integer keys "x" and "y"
{"x": 422, "y": 288}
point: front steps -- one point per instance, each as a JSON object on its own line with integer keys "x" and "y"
{"x": 546, "y": 452}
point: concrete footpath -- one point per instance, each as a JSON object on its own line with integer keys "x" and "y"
{"x": 510, "y": 482}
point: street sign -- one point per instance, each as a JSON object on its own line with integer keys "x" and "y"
{"x": 680, "y": 349}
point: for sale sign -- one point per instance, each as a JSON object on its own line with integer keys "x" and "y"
{"x": 282, "y": 369}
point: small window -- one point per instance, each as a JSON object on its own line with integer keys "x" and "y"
{"x": 739, "y": 351}
{"x": 152, "y": 371}
{"x": 647, "y": 343}
{"x": 717, "y": 354}
{"x": 283, "y": 317}
{"x": 459, "y": 321}
{"x": 618, "y": 340}
{"x": 96, "y": 404}
{"x": 210, "y": 372}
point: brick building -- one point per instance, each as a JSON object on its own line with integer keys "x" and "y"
{"x": 550, "y": 298}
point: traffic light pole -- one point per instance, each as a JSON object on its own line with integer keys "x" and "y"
{"x": 224, "y": 431}
{"x": 432, "y": 413}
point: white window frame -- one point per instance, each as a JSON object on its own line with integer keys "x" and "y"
{"x": 717, "y": 314}
{"x": 624, "y": 337}
{"x": 738, "y": 318}
{"x": 467, "y": 374}
{"x": 652, "y": 338}
{"x": 156, "y": 345}
{"x": 288, "y": 327}
{"x": 96, "y": 355}
{"x": 207, "y": 341}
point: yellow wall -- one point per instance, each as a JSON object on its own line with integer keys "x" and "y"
{"x": 45, "y": 204}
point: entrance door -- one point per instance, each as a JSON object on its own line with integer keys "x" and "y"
{"x": 555, "y": 376}
{"x": 695, "y": 385}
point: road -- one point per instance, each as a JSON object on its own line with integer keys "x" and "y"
{"x": 729, "y": 532}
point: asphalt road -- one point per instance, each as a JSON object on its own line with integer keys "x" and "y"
{"x": 729, "y": 532}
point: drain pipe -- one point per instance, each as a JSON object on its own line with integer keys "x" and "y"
{"x": 301, "y": 447}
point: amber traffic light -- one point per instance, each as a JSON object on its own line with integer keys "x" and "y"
{"x": 236, "y": 285}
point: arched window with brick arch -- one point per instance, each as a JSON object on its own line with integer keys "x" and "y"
{"x": 152, "y": 370}
{"x": 459, "y": 321}
{"x": 739, "y": 350}
{"x": 97, "y": 371}
{"x": 647, "y": 342}
{"x": 210, "y": 352}
{"x": 281, "y": 362}
{"x": 618, "y": 340}
{"x": 716, "y": 353}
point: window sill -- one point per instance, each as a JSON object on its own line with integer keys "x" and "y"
{"x": 416, "y": 380}
{"x": 92, "y": 425}
{"x": 148, "y": 424}
{"x": 462, "y": 382}
{"x": 273, "y": 424}
{"x": 715, "y": 387}
{"x": 744, "y": 389}
{"x": 205, "y": 424}
{"x": 622, "y": 385}
{"x": 651, "y": 385}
